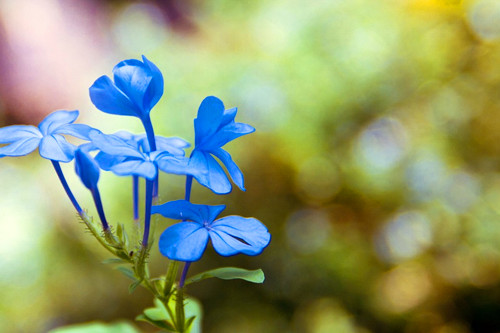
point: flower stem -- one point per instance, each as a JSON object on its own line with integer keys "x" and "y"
{"x": 135, "y": 196}
{"x": 173, "y": 267}
{"x": 100, "y": 210}
{"x": 184, "y": 273}
{"x": 189, "y": 182}
{"x": 147, "y": 212}
{"x": 148, "y": 126}
{"x": 187, "y": 197}
{"x": 60, "y": 174}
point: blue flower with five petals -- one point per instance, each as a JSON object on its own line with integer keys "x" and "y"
{"x": 214, "y": 127}
{"x": 230, "y": 235}
{"x": 124, "y": 157}
{"x": 48, "y": 137}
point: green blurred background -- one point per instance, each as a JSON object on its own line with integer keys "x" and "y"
{"x": 375, "y": 164}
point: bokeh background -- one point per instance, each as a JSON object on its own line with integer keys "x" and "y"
{"x": 375, "y": 163}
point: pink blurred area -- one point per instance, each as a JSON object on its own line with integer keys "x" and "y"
{"x": 51, "y": 51}
{"x": 47, "y": 52}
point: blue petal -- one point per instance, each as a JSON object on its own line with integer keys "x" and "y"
{"x": 107, "y": 161}
{"x": 21, "y": 147}
{"x": 16, "y": 132}
{"x": 209, "y": 117}
{"x": 228, "y": 116}
{"x": 114, "y": 145}
{"x": 135, "y": 167}
{"x": 23, "y": 140}
{"x": 87, "y": 169}
{"x": 57, "y": 119}
{"x": 55, "y": 147}
{"x": 232, "y": 168}
{"x": 155, "y": 89}
{"x": 173, "y": 145}
{"x": 210, "y": 173}
{"x": 185, "y": 241}
{"x": 235, "y": 234}
{"x": 226, "y": 134}
{"x": 178, "y": 166}
{"x": 133, "y": 79}
{"x": 108, "y": 98}
{"x": 80, "y": 131}
{"x": 184, "y": 210}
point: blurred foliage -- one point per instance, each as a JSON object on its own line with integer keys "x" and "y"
{"x": 375, "y": 166}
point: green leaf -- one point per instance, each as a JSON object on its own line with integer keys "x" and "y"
{"x": 230, "y": 273}
{"x": 97, "y": 327}
{"x": 127, "y": 272}
{"x": 157, "y": 313}
{"x": 160, "y": 324}
{"x": 133, "y": 286}
{"x": 193, "y": 311}
{"x": 122, "y": 235}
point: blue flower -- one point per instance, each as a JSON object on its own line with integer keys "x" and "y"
{"x": 48, "y": 137}
{"x": 230, "y": 235}
{"x": 137, "y": 87}
{"x": 87, "y": 169}
{"x": 214, "y": 127}
{"x": 126, "y": 158}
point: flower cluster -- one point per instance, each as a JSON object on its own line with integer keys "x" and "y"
{"x": 136, "y": 87}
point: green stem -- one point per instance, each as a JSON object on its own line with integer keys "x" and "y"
{"x": 173, "y": 267}
{"x": 179, "y": 310}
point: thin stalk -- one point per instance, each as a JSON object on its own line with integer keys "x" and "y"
{"x": 64, "y": 183}
{"x": 135, "y": 196}
{"x": 148, "y": 126}
{"x": 147, "y": 212}
{"x": 100, "y": 210}
{"x": 187, "y": 197}
{"x": 184, "y": 274}
{"x": 95, "y": 233}
{"x": 189, "y": 183}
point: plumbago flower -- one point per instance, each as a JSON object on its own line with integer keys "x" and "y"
{"x": 172, "y": 145}
{"x": 47, "y": 137}
{"x": 214, "y": 127}
{"x": 230, "y": 235}
{"x": 137, "y": 87}
{"x": 127, "y": 157}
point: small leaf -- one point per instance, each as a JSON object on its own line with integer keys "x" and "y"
{"x": 230, "y": 273}
{"x": 127, "y": 272}
{"x": 188, "y": 323}
{"x": 133, "y": 286}
{"x": 122, "y": 235}
{"x": 119, "y": 230}
{"x": 160, "y": 324}
{"x": 193, "y": 311}
{"x": 159, "y": 312}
